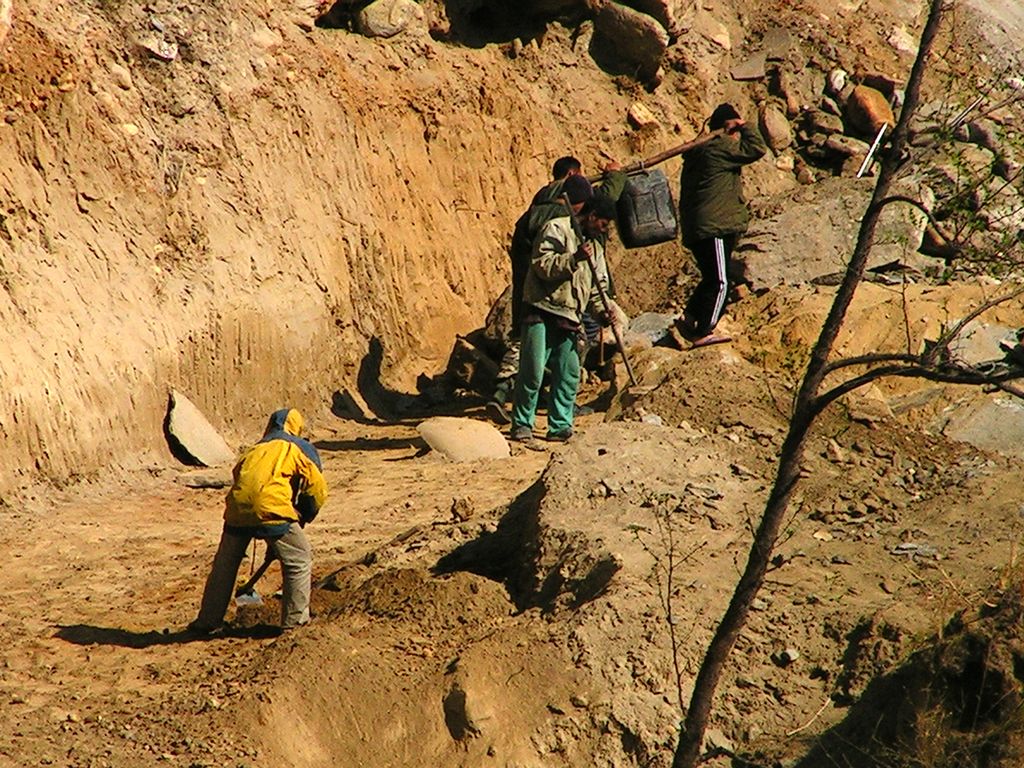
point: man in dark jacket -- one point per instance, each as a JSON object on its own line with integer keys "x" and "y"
{"x": 713, "y": 214}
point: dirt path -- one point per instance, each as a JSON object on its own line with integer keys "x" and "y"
{"x": 100, "y": 581}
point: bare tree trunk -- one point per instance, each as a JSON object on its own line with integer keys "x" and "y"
{"x": 804, "y": 412}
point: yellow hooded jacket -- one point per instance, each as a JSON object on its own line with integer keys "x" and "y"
{"x": 278, "y": 480}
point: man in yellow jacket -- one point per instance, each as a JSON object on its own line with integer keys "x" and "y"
{"x": 278, "y": 488}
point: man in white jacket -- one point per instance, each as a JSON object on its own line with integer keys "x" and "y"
{"x": 559, "y": 288}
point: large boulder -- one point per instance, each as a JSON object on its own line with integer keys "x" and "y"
{"x": 812, "y": 232}
{"x": 867, "y": 110}
{"x": 979, "y": 342}
{"x": 193, "y": 438}
{"x": 386, "y": 18}
{"x": 995, "y": 424}
{"x": 633, "y": 41}
{"x": 461, "y": 439}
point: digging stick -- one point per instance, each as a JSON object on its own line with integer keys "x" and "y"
{"x": 600, "y": 291}
{"x": 608, "y": 311}
{"x": 663, "y": 156}
{"x": 248, "y": 586}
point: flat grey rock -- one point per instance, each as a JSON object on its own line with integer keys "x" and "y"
{"x": 654, "y": 326}
{"x": 195, "y": 434}
{"x": 778, "y": 42}
{"x": 751, "y": 69}
{"x": 995, "y": 424}
{"x": 979, "y": 342}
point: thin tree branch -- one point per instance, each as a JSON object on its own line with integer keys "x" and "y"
{"x": 955, "y": 375}
{"x": 920, "y": 206}
{"x": 929, "y": 357}
{"x": 872, "y": 359}
{"x": 794, "y": 446}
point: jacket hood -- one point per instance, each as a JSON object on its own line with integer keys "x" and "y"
{"x": 287, "y": 424}
{"x": 287, "y": 420}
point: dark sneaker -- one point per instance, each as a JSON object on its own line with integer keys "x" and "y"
{"x": 559, "y": 437}
{"x": 687, "y": 327}
{"x": 521, "y": 434}
{"x": 197, "y": 630}
{"x": 496, "y": 411}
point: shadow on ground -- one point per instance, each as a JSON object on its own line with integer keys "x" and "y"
{"x": 87, "y": 634}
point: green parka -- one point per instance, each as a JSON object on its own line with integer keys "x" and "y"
{"x": 710, "y": 193}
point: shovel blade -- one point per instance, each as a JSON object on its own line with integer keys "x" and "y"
{"x": 252, "y": 597}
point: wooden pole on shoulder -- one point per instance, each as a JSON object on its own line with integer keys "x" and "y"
{"x": 661, "y": 157}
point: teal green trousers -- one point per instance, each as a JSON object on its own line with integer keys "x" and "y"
{"x": 546, "y": 344}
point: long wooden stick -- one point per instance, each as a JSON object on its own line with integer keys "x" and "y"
{"x": 600, "y": 291}
{"x": 615, "y": 328}
{"x": 661, "y": 157}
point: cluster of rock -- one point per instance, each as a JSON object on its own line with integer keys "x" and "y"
{"x": 964, "y": 175}
{"x": 819, "y": 127}
{"x": 835, "y": 132}
{"x": 636, "y": 34}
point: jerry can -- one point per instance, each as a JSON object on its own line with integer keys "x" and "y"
{"x": 647, "y": 215}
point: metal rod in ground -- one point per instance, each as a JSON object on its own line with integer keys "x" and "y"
{"x": 611, "y": 316}
{"x": 871, "y": 152}
{"x": 964, "y": 115}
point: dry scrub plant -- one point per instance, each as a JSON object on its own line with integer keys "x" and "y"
{"x": 955, "y": 702}
{"x": 818, "y": 389}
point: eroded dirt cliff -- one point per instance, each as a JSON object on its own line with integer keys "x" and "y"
{"x": 235, "y": 202}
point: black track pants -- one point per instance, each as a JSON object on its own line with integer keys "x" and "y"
{"x": 708, "y": 300}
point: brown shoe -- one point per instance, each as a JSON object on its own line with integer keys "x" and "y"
{"x": 711, "y": 338}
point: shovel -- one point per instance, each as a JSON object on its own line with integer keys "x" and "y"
{"x": 247, "y": 594}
